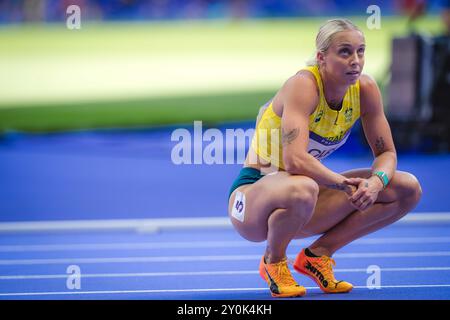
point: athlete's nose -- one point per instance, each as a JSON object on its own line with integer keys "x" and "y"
{"x": 355, "y": 60}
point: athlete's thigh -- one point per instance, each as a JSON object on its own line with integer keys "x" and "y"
{"x": 271, "y": 192}
{"x": 394, "y": 188}
{"x": 333, "y": 205}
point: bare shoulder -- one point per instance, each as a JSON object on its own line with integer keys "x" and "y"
{"x": 303, "y": 79}
{"x": 370, "y": 94}
{"x": 368, "y": 85}
{"x": 301, "y": 90}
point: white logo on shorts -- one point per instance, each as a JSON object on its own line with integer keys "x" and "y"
{"x": 238, "y": 211}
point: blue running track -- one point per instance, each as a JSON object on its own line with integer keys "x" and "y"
{"x": 106, "y": 175}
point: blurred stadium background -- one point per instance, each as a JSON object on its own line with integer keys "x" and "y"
{"x": 86, "y": 118}
{"x": 138, "y": 69}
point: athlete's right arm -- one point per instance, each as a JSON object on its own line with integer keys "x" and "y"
{"x": 300, "y": 99}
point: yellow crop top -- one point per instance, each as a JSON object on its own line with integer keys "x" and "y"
{"x": 328, "y": 128}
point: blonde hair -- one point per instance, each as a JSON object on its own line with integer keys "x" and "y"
{"x": 326, "y": 33}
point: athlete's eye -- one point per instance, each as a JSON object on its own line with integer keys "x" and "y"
{"x": 344, "y": 51}
{"x": 361, "y": 51}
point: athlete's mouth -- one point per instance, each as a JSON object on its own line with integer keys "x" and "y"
{"x": 353, "y": 72}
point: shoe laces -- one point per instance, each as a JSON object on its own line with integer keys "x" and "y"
{"x": 327, "y": 265}
{"x": 283, "y": 274}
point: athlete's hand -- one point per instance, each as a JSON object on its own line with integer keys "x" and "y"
{"x": 367, "y": 192}
{"x": 349, "y": 189}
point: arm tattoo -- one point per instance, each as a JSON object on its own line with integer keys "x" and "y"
{"x": 288, "y": 137}
{"x": 379, "y": 144}
{"x": 337, "y": 186}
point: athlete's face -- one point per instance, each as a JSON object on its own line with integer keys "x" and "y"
{"x": 344, "y": 59}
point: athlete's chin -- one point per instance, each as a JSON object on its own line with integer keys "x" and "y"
{"x": 354, "y": 81}
{"x": 352, "y": 78}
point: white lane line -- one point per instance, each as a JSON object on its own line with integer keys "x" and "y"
{"x": 128, "y": 246}
{"x": 202, "y": 273}
{"x": 144, "y": 225}
{"x": 410, "y": 286}
{"x": 15, "y": 294}
{"x": 204, "y": 244}
{"x": 154, "y": 225}
{"x": 126, "y": 275}
{"x": 131, "y": 246}
{"x": 359, "y": 255}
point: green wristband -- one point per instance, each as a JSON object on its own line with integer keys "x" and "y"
{"x": 383, "y": 177}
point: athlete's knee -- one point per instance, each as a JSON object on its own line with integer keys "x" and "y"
{"x": 303, "y": 194}
{"x": 255, "y": 236}
{"x": 414, "y": 187}
{"x": 409, "y": 188}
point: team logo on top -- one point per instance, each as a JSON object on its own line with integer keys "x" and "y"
{"x": 348, "y": 114}
{"x": 319, "y": 116}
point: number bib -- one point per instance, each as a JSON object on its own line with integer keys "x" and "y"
{"x": 238, "y": 211}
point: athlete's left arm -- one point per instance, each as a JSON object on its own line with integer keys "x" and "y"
{"x": 376, "y": 128}
{"x": 378, "y": 134}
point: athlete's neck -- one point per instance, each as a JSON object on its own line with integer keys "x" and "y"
{"x": 333, "y": 90}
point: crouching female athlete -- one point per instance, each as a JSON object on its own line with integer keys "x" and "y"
{"x": 287, "y": 193}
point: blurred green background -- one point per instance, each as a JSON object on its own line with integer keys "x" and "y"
{"x": 134, "y": 74}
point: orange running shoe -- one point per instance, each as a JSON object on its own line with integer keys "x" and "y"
{"x": 280, "y": 280}
{"x": 320, "y": 269}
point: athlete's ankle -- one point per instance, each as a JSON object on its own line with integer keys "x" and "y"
{"x": 319, "y": 251}
{"x": 270, "y": 258}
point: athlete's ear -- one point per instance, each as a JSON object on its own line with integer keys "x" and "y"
{"x": 320, "y": 58}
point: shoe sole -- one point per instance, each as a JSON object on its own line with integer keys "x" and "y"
{"x": 283, "y": 295}
{"x": 287, "y": 295}
{"x": 315, "y": 280}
